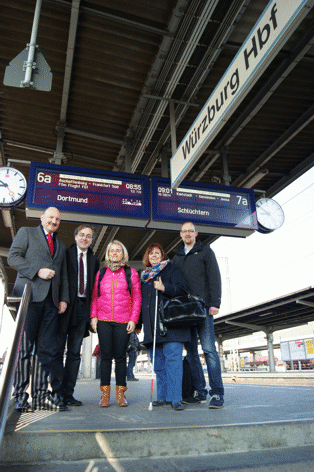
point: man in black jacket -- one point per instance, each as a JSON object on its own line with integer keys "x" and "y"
{"x": 82, "y": 267}
{"x": 199, "y": 266}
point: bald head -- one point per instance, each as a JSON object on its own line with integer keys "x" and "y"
{"x": 51, "y": 219}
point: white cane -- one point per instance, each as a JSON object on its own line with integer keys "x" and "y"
{"x": 154, "y": 349}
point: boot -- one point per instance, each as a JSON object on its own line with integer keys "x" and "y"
{"x": 105, "y": 395}
{"x": 121, "y": 400}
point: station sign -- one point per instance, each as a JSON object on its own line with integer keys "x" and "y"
{"x": 107, "y": 197}
{"x": 278, "y": 21}
{"x": 214, "y": 209}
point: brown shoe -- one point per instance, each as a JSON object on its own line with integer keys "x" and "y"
{"x": 121, "y": 400}
{"x": 105, "y": 395}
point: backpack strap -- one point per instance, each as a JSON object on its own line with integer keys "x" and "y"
{"x": 127, "y": 272}
{"x": 101, "y": 274}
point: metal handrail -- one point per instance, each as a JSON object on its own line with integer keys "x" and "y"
{"x": 7, "y": 375}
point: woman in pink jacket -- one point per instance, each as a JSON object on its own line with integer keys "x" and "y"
{"x": 115, "y": 310}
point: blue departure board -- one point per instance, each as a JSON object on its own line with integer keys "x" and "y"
{"x": 215, "y": 209}
{"x": 108, "y": 197}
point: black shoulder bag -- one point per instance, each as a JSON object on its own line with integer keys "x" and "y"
{"x": 182, "y": 310}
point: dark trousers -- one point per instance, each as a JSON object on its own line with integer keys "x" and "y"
{"x": 131, "y": 364}
{"x": 113, "y": 341}
{"x": 37, "y": 350}
{"x": 63, "y": 377}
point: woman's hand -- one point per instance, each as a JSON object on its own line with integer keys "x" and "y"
{"x": 130, "y": 327}
{"x": 93, "y": 323}
{"x": 159, "y": 285}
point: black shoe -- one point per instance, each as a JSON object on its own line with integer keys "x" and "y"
{"x": 195, "y": 398}
{"x": 70, "y": 400}
{"x": 51, "y": 403}
{"x": 190, "y": 401}
{"x": 22, "y": 406}
{"x": 216, "y": 401}
{"x": 133, "y": 379}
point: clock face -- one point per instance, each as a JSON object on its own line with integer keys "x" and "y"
{"x": 270, "y": 215}
{"x": 12, "y": 187}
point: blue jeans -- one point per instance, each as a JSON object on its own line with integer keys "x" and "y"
{"x": 169, "y": 370}
{"x": 206, "y": 333}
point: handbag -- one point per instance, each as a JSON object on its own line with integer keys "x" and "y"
{"x": 133, "y": 344}
{"x": 182, "y": 310}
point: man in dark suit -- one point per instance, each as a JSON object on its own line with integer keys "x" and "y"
{"x": 39, "y": 257}
{"x": 82, "y": 267}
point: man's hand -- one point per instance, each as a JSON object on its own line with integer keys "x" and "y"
{"x": 213, "y": 311}
{"x": 130, "y": 327}
{"x": 46, "y": 274}
{"x": 62, "y": 307}
{"x": 93, "y": 323}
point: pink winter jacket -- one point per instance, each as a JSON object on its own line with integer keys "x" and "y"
{"x": 115, "y": 302}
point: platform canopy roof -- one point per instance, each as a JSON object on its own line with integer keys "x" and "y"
{"x": 116, "y": 66}
{"x": 289, "y": 311}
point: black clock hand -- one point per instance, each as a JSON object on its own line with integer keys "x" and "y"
{"x": 3, "y": 184}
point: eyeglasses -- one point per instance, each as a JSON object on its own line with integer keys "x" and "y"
{"x": 188, "y": 231}
{"x": 87, "y": 236}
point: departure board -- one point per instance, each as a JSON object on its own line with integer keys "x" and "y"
{"x": 215, "y": 209}
{"x": 108, "y": 197}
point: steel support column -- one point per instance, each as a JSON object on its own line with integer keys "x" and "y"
{"x": 270, "y": 347}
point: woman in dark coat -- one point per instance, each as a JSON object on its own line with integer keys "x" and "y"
{"x": 164, "y": 278}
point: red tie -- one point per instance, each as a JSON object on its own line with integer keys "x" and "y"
{"x": 81, "y": 275}
{"x": 50, "y": 243}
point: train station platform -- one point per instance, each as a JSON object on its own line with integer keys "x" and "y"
{"x": 254, "y": 418}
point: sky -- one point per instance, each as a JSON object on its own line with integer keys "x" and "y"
{"x": 266, "y": 266}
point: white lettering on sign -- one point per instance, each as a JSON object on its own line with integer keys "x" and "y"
{"x": 278, "y": 21}
{"x": 72, "y": 199}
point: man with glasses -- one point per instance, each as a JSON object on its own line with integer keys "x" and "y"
{"x": 199, "y": 266}
{"x": 73, "y": 326}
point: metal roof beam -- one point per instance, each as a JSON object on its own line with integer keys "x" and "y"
{"x": 260, "y": 98}
{"x": 99, "y": 238}
{"x": 235, "y": 11}
{"x": 306, "y": 303}
{"x": 305, "y": 165}
{"x": 173, "y": 245}
{"x": 142, "y": 243}
{"x": 250, "y": 326}
{"x": 287, "y": 136}
{"x": 110, "y": 237}
{"x": 118, "y": 19}
{"x": 99, "y": 137}
{"x": 173, "y": 51}
{"x": 155, "y": 97}
{"x": 58, "y": 155}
